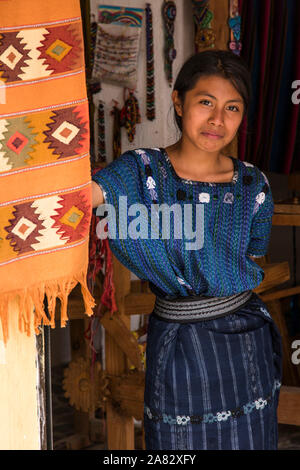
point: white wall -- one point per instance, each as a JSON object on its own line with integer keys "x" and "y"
{"x": 162, "y": 131}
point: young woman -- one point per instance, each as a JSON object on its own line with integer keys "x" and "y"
{"x": 213, "y": 358}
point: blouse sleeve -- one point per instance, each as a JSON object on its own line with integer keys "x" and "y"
{"x": 119, "y": 178}
{"x": 262, "y": 222}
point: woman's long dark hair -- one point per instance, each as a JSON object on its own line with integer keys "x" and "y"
{"x": 222, "y": 63}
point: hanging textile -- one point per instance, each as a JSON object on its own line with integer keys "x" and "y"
{"x": 234, "y": 22}
{"x": 270, "y": 135}
{"x": 130, "y": 114}
{"x": 116, "y": 113}
{"x": 100, "y": 259}
{"x": 45, "y": 190}
{"x": 204, "y": 34}
{"x": 93, "y": 28}
{"x": 117, "y": 45}
{"x": 101, "y": 155}
{"x": 93, "y": 86}
{"x": 169, "y": 15}
{"x": 150, "y": 96}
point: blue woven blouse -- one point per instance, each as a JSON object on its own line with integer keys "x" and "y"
{"x": 228, "y": 222}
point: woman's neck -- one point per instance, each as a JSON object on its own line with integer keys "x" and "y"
{"x": 197, "y": 163}
{"x": 193, "y": 159}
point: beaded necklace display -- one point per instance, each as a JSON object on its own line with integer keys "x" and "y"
{"x": 93, "y": 32}
{"x": 130, "y": 114}
{"x": 204, "y": 34}
{"x": 169, "y": 15}
{"x": 101, "y": 156}
{"x": 116, "y": 113}
{"x": 150, "y": 98}
{"x": 234, "y": 22}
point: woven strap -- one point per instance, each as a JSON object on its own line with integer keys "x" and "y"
{"x": 199, "y": 308}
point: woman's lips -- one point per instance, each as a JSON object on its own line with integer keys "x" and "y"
{"x": 212, "y": 136}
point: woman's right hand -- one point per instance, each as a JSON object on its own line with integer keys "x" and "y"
{"x": 97, "y": 195}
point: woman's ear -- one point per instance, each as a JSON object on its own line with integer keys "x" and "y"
{"x": 177, "y": 103}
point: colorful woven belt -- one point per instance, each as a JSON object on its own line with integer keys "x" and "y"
{"x": 199, "y": 308}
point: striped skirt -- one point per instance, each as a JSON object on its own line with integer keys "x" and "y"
{"x": 213, "y": 384}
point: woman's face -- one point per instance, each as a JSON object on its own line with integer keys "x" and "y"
{"x": 211, "y": 113}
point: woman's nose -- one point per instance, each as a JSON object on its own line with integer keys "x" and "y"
{"x": 216, "y": 117}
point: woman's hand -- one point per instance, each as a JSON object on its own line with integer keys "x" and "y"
{"x": 97, "y": 195}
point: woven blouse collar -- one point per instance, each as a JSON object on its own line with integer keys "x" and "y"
{"x": 205, "y": 183}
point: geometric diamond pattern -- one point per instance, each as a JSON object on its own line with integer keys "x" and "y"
{"x": 43, "y": 137}
{"x": 66, "y": 132}
{"x": 72, "y": 217}
{"x": 35, "y": 53}
{"x": 48, "y": 222}
{"x": 61, "y": 48}
{"x": 58, "y": 50}
{"x": 11, "y": 57}
{"x": 17, "y": 142}
{"x": 23, "y": 228}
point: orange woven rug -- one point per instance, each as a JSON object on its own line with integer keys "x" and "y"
{"x": 45, "y": 179}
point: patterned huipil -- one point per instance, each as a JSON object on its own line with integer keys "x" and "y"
{"x": 229, "y": 222}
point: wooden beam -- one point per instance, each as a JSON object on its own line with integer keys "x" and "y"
{"x": 275, "y": 274}
{"x": 286, "y": 219}
{"x": 139, "y": 303}
{"x": 289, "y": 406}
{"x": 279, "y": 293}
{"x": 117, "y": 329}
{"x": 287, "y": 208}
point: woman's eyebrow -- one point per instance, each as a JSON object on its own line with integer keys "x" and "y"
{"x": 204, "y": 93}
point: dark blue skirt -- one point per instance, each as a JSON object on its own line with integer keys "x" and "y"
{"x": 213, "y": 384}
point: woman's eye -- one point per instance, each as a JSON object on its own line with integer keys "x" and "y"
{"x": 204, "y": 101}
{"x": 236, "y": 108}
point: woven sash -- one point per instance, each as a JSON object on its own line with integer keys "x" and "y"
{"x": 199, "y": 308}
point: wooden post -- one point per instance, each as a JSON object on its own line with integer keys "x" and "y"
{"x": 120, "y": 429}
{"x": 20, "y": 403}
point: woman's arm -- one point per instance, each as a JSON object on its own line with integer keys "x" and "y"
{"x": 97, "y": 195}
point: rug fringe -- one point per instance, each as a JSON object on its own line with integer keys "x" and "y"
{"x": 31, "y": 304}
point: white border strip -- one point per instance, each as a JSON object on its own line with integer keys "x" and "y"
{"x": 18, "y": 27}
{"x": 54, "y": 106}
{"x": 38, "y": 196}
{"x": 45, "y": 252}
{"x": 30, "y": 82}
{"x": 38, "y": 167}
